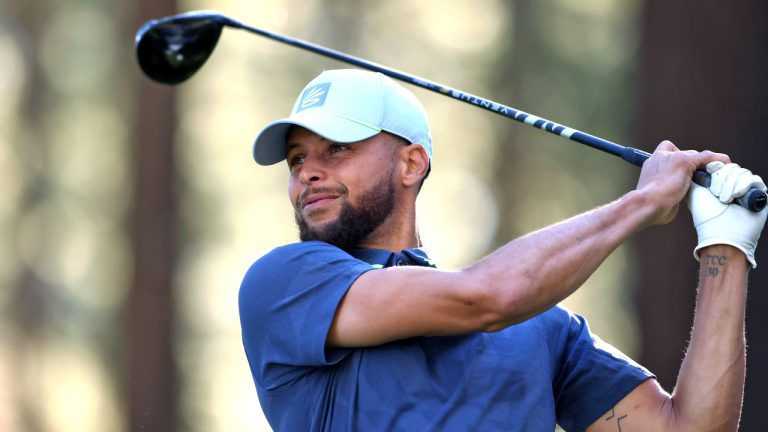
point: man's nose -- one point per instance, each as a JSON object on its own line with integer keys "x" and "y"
{"x": 312, "y": 169}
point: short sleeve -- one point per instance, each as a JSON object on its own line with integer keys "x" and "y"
{"x": 591, "y": 375}
{"x": 287, "y": 302}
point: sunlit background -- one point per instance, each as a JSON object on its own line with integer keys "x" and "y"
{"x": 69, "y": 83}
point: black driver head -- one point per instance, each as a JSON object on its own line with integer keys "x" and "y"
{"x": 172, "y": 49}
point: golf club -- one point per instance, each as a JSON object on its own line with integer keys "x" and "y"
{"x": 172, "y": 49}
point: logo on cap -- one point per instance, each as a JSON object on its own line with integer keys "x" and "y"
{"x": 314, "y": 96}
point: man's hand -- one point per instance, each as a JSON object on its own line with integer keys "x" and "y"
{"x": 717, "y": 221}
{"x": 666, "y": 177}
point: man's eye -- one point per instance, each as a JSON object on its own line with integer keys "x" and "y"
{"x": 295, "y": 161}
{"x": 335, "y": 148}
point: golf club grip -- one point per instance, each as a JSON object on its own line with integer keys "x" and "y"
{"x": 755, "y": 199}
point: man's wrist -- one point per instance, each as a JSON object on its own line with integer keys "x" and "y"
{"x": 641, "y": 205}
{"x": 719, "y": 255}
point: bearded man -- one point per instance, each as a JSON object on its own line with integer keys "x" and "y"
{"x": 354, "y": 329}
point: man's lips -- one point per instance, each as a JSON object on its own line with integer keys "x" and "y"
{"x": 317, "y": 200}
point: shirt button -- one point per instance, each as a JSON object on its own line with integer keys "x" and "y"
{"x": 400, "y": 262}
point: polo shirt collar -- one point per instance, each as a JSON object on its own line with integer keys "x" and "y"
{"x": 385, "y": 258}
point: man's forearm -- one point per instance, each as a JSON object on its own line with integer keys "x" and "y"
{"x": 710, "y": 385}
{"x": 542, "y": 268}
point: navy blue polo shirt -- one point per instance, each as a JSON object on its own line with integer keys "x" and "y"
{"x": 527, "y": 377}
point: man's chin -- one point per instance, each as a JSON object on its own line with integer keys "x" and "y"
{"x": 318, "y": 224}
{"x": 319, "y": 217}
{"x": 316, "y": 230}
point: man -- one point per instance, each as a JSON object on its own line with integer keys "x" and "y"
{"x": 353, "y": 329}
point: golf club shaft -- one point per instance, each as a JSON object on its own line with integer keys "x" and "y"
{"x": 754, "y": 199}
{"x": 631, "y": 155}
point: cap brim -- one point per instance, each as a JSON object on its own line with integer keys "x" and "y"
{"x": 269, "y": 146}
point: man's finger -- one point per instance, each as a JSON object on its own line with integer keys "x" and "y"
{"x": 707, "y": 157}
{"x": 724, "y": 181}
{"x": 712, "y": 167}
{"x": 666, "y": 145}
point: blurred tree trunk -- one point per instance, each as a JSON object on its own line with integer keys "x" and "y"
{"x": 703, "y": 72}
{"x": 31, "y": 296}
{"x": 151, "y": 370}
{"x": 507, "y": 81}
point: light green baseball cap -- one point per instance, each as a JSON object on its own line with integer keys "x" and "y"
{"x": 348, "y": 105}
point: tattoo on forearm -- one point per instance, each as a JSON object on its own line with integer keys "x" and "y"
{"x": 714, "y": 264}
{"x": 618, "y": 419}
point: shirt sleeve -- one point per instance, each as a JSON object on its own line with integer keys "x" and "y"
{"x": 591, "y": 375}
{"x": 287, "y": 302}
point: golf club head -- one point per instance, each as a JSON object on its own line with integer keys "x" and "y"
{"x": 171, "y": 49}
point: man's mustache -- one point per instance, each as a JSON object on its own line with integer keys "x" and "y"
{"x": 341, "y": 190}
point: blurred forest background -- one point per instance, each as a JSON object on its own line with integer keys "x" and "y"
{"x": 130, "y": 211}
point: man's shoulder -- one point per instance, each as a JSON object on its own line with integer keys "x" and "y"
{"x": 560, "y": 326}
{"x": 297, "y": 268}
{"x": 302, "y": 248}
{"x": 558, "y": 316}
{"x": 286, "y": 254}
{"x": 303, "y": 258}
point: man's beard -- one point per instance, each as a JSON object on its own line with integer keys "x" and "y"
{"x": 354, "y": 223}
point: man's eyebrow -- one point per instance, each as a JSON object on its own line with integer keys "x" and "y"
{"x": 290, "y": 146}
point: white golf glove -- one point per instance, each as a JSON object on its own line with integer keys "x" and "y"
{"x": 719, "y": 222}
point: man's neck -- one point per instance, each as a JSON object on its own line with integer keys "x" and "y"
{"x": 392, "y": 245}
{"x": 398, "y": 232}
{"x": 393, "y": 238}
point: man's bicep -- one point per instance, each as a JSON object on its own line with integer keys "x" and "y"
{"x": 646, "y": 408}
{"x": 401, "y": 302}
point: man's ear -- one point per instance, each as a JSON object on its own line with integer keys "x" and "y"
{"x": 415, "y": 164}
